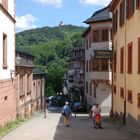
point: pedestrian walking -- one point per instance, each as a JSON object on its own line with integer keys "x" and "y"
{"x": 66, "y": 112}
{"x": 95, "y": 110}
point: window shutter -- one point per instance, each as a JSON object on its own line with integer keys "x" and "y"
{"x": 116, "y": 21}
{"x": 137, "y": 3}
{"x": 133, "y": 6}
{"x": 127, "y": 9}
{"x": 139, "y": 55}
{"x": 130, "y": 58}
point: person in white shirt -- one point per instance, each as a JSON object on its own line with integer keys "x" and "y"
{"x": 95, "y": 110}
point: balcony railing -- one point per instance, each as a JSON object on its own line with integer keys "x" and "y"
{"x": 24, "y": 62}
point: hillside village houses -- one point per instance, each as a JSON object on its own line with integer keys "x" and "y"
{"x": 21, "y": 87}
{"x": 98, "y": 72}
{"x": 74, "y": 78}
{"x": 126, "y": 69}
{"x": 30, "y": 84}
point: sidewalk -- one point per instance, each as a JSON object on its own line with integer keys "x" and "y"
{"x": 52, "y": 128}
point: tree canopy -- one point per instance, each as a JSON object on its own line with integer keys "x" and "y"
{"x": 52, "y": 48}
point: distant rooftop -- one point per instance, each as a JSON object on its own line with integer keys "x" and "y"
{"x": 37, "y": 71}
{"x": 24, "y": 51}
{"x": 100, "y": 15}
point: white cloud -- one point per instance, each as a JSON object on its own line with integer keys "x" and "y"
{"x": 56, "y": 3}
{"x": 25, "y": 22}
{"x": 96, "y": 2}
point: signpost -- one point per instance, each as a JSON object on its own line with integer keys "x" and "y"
{"x": 103, "y": 54}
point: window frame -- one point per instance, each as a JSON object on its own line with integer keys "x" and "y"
{"x": 122, "y": 60}
{"x": 87, "y": 87}
{"x": 96, "y": 36}
{"x": 130, "y": 58}
{"x": 90, "y": 88}
{"x": 115, "y": 22}
{"x": 139, "y": 55}
{"x": 114, "y": 89}
{"x": 138, "y": 100}
{"x": 105, "y": 35}
{"x": 95, "y": 94}
{"x": 5, "y": 66}
{"x": 121, "y": 92}
{"x": 130, "y": 8}
{"x": 86, "y": 65}
{"x": 115, "y": 62}
{"x": 138, "y": 4}
{"x": 129, "y": 96}
{"x": 122, "y": 13}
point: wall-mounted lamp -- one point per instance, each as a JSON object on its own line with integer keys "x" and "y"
{"x": 12, "y": 73}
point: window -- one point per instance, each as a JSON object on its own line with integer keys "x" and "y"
{"x": 4, "y": 51}
{"x": 104, "y": 65}
{"x": 87, "y": 66}
{"x": 5, "y": 98}
{"x": 122, "y": 13}
{"x": 138, "y": 4}
{"x": 90, "y": 41}
{"x": 87, "y": 87}
{"x": 28, "y": 83}
{"x": 121, "y": 59}
{"x": 138, "y": 98}
{"x": 129, "y": 59}
{"x": 87, "y": 44}
{"x": 115, "y": 62}
{"x": 114, "y": 89}
{"x": 95, "y": 64}
{"x": 130, "y": 96}
{"x": 21, "y": 85}
{"x": 105, "y": 35}
{"x": 122, "y": 92}
{"x": 139, "y": 55}
{"x": 5, "y": 4}
{"x": 130, "y": 6}
{"x": 94, "y": 91}
{"x": 115, "y": 22}
{"x": 96, "y": 36}
{"x": 90, "y": 67}
{"x": 90, "y": 88}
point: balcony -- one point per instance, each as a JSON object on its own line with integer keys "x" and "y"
{"x": 101, "y": 75}
{"x": 24, "y": 62}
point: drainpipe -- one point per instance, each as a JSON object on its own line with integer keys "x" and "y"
{"x": 125, "y": 69}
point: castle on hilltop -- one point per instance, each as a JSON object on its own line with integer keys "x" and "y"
{"x": 61, "y": 23}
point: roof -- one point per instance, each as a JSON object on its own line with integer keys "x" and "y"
{"x": 113, "y": 4}
{"x": 86, "y": 31}
{"x": 24, "y": 51}
{"x": 100, "y": 15}
{"x": 38, "y": 71}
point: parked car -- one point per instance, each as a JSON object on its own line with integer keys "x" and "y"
{"x": 56, "y": 100}
{"x": 79, "y": 107}
{"x": 48, "y": 99}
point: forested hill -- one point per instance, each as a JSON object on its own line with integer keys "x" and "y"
{"x": 51, "y": 47}
{"x": 45, "y": 34}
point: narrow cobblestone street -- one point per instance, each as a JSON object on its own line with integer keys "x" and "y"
{"x": 52, "y": 128}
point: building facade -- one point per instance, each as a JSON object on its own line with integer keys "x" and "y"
{"x": 24, "y": 78}
{"x": 126, "y": 66}
{"x": 38, "y": 90}
{"x": 77, "y": 63}
{"x": 7, "y": 61}
{"x": 98, "y": 73}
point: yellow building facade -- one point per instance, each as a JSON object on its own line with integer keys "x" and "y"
{"x": 126, "y": 63}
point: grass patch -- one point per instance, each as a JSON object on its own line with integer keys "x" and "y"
{"x": 9, "y": 126}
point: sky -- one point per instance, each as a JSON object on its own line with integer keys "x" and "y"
{"x": 32, "y": 14}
